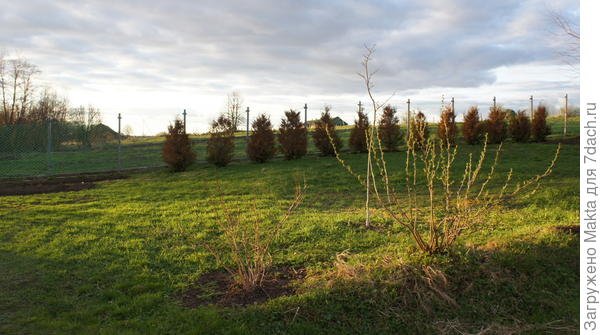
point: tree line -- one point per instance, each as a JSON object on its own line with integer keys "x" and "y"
{"x": 291, "y": 140}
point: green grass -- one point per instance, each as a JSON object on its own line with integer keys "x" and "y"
{"x": 114, "y": 259}
{"x": 143, "y": 152}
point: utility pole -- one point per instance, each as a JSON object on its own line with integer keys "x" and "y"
{"x": 566, "y": 113}
{"x": 247, "y": 122}
{"x": 184, "y": 121}
{"x": 305, "y": 116}
{"x": 531, "y": 106}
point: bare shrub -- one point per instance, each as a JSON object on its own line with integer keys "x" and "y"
{"x": 220, "y": 144}
{"x": 261, "y": 145}
{"x": 248, "y": 245}
{"x": 435, "y": 206}
{"x": 495, "y": 125}
{"x": 472, "y": 127}
{"x": 447, "y": 126}
{"x": 359, "y": 134}
{"x": 325, "y": 136}
{"x": 520, "y": 127}
{"x": 539, "y": 127}
{"x": 389, "y": 129}
{"x": 292, "y": 136}
{"x": 177, "y": 150}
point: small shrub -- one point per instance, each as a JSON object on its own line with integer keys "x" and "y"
{"x": 495, "y": 125}
{"x": 520, "y": 127}
{"x": 389, "y": 129}
{"x": 447, "y": 126}
{"x": 220, "y": 145}
{"x": 539, "y": 127}
{"x": 261, "y": 145}
{"x": 472, "y": 127}
{"x": 247, "y": 257}
{"x": 419, "y": 131}
{"x": 325, "y": 136}
{"x": 177, "y": 150}
{"x": 358, "y": 135}
{"x": 292, "y": 136}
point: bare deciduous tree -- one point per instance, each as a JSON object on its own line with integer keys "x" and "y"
{"x": 235, "y": 109}
{"x": 16, "y": 77}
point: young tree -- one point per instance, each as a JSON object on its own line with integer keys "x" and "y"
{"x": 495, "y": 125}
{"x": 358, "y": 135}
{"x": 325, "y": 136}
{"x": 520, "y": 127}
{"x": 261, "y": 145}
{"x": 471, "y": 126}
{"x": 220, "y": 145}
{"x": 539, "y": 127}
{"x": 447, "y": 126}
{"x": 292, "y": 136}
{"x": 419, "y": 131}
{"x": 389, "y": 129}
{"x": 177, "y": 150}
{"x": 85, "y": 120}
{"x": 235, "y": 110}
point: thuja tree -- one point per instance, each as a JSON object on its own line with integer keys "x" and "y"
{"x": 261, "y": 145}
{"x": 177, "y": 150}
{"x": 325, "y": 136}
{"x": 389, "y": 129}
{"x": 520, "y": 127}
{"x": 472, "y": 127}
{"x": 495, "y": 125}
{"x": 220, "y": 144}
{"x": 539, "y": 127}
{"x": 434, "y": 203}
{"x": 359, "y": 134}
{"x": 292, "y": 136}
{"x": 419, "y": 131}
{"x": 447, "y": 125}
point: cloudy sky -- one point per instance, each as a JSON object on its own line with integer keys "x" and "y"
{"x": 151, "y": 59}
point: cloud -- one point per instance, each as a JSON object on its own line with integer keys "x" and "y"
{"x": 285, "y": 49}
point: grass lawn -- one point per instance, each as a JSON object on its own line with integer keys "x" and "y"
{"x": 116, "y": 259}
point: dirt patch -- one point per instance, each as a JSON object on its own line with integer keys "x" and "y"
{"x": 217, "y": 288}
{"x": 54, "y": 184}
{"x": 568, "y": 229}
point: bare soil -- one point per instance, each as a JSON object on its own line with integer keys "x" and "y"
{"x": 64, "y": 183}
{"x": 218, "y": 288}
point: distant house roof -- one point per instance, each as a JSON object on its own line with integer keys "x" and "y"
{"x": 339, "y": 122}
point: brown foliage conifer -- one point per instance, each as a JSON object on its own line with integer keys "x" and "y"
{"x": 324, "y": 136}
{"x": 447, "y": 126}
{"x": 472, "y": 126}
{"x": 389, "y": 129}
{"x": 419, "y": 131}
{"x": 261, "y": 145}
{"x": 292, "y": 136}
{"x": 358, "y": 135}
{"x": 520, "y": 127}
{"x": 220, "y": 145}
{"x": 539, "y": 127}
{"x": 177, "y": 150}
{"x": 495, "y": 125}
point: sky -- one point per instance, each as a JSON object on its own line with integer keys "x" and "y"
{"x": 151, "y": 59}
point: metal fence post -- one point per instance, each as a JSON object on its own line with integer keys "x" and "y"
{"x": 494, "y": 102}
{"x": 566, "y": 114}
{"x": 453, "y": 112}
{"x": 49, "y": 147}
{"x": 247, "y": 122}
{"x": 305, "y": 114}
{"x": 119, "y": 144}
{"x": 531, "y": 106}
{"x": 184, "y": 122}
